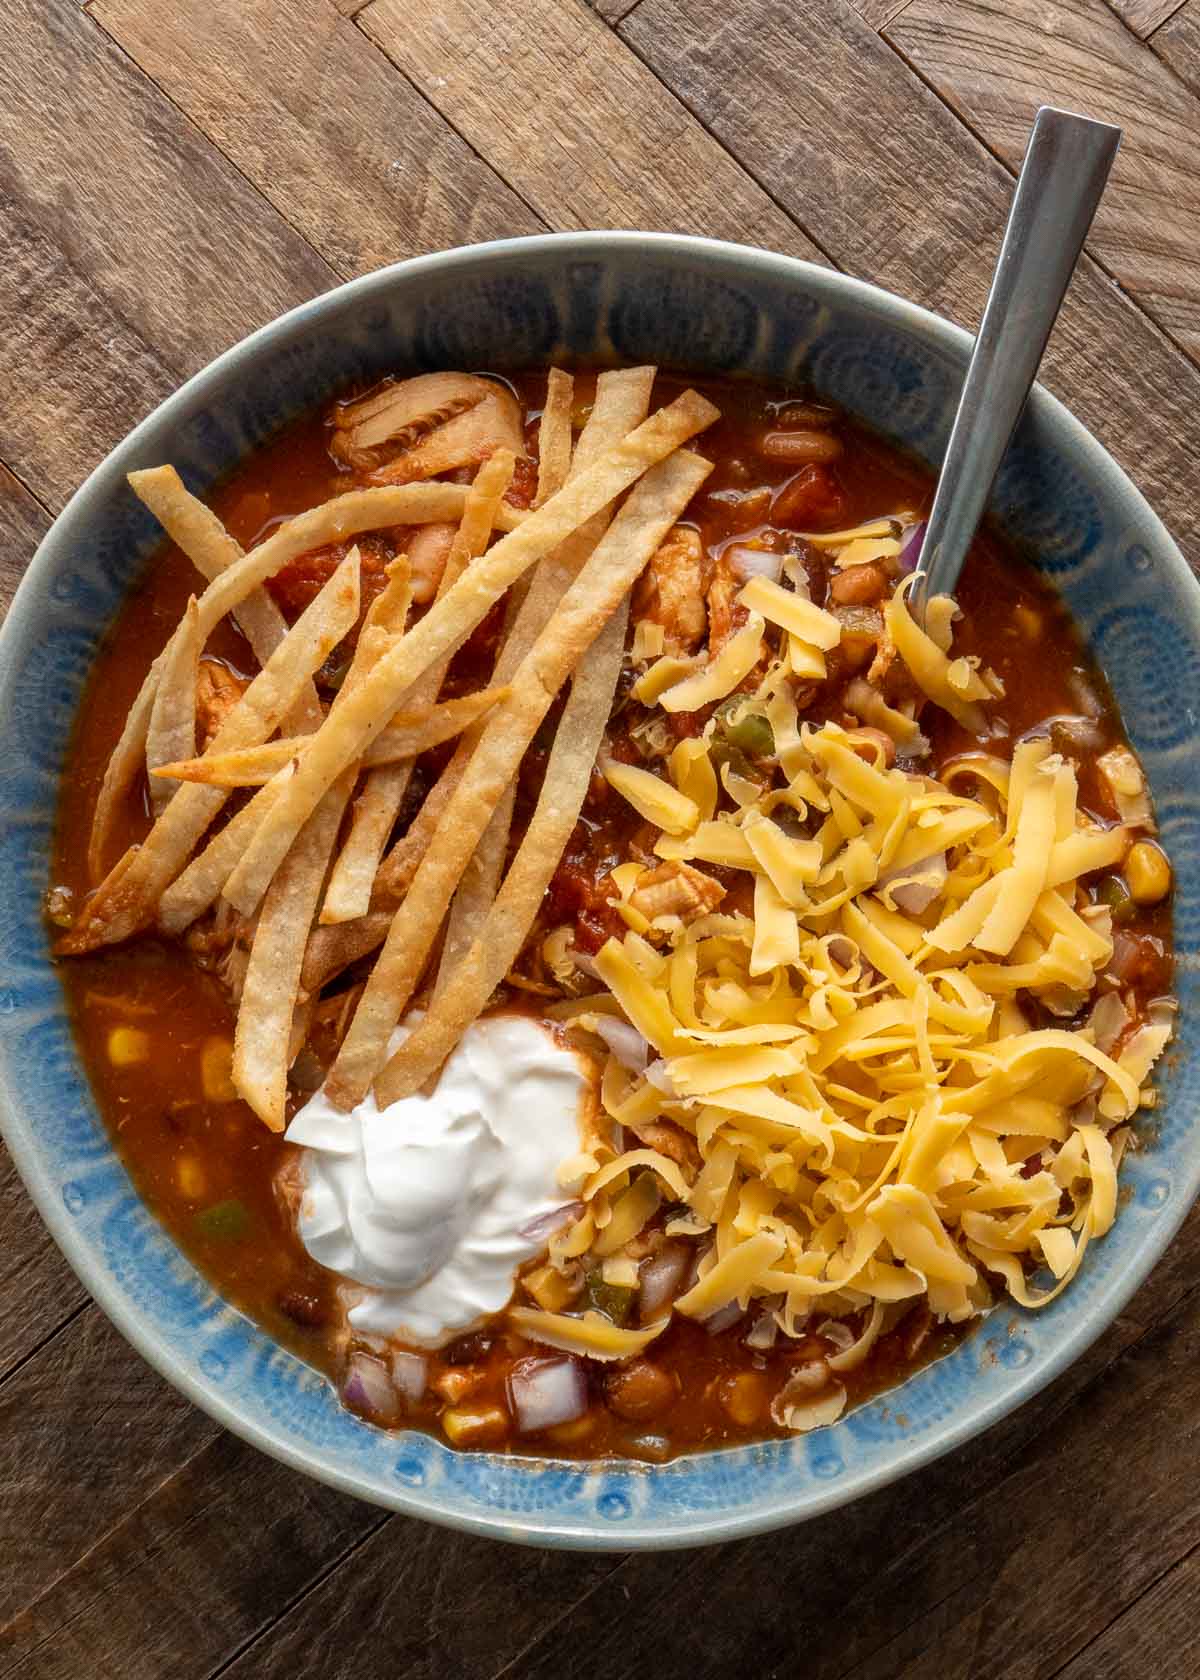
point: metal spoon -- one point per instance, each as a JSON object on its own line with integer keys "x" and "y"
{"x": 1066, "y": 166}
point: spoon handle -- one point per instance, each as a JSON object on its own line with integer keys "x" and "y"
{"x": 1063, "y": 175}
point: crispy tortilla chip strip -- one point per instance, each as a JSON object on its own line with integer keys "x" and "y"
{"x": 333, "y": 948}
{"x": 408, "y": 734}
{"x": 622, "y": 401}
{"x": 271, "y": 989}
{"x": 375, "y": 810}
{"x": 591, "y": 600}
{"x": 197, "y": 532}
{"x": 198, "y": 887}
{"x": 123, "y": 904}
{"x": 554, "y": 435}
{"x": 172, "y": 731}
{"x": 262, "y": 1040}
{"x": 480, "y": 969}
{"x": 447, "y": 625}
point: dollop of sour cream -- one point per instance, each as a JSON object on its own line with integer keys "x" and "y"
{"x": 433, "y": 1203}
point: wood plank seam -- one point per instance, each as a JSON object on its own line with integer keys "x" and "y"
{"x": 734, "y": 160}
{"x": 28, "y": 488}
{"x": 510, "y": 1668}
{"x": 51, "y": 1335}
{"x": 1128, "y": 1610}
{"x": 340, "y": 1561}
{"x": 492, "y": 169}
{"x": 1089, "y": 256}
{"x": 101, "y": 1540}
{"x": 271, "y": 208}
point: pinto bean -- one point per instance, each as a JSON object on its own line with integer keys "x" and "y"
{"x": 859, "y": 586}
{"x": 641, "y": 1390}
{"x": 803, "y": 448}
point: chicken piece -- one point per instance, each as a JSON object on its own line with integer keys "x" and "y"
{"x": 220, "y": 942}
{"x": 670, "y": 592}
{"x": 432, "y": 424}
{"x": 428, "y": 549}
{"x": 676, "y": 889}
{"x": 218, "y": 691}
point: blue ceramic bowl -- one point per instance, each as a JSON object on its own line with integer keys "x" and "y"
{"x": 700, "y": 306}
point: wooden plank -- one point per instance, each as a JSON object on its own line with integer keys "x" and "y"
{"x": 1144, "y": 16}
{"x": 612, "y": 11}
{"x": 995, "y": 61}
{"x": 1177, "y": 43}
{"x": 86, "y": 1430}
{"x": 1155, "y": 1636}
{"x": 1052, "y": 1538}
{"x": 190, "y": 1573}
{"x": 589, "y": 137}
{"x": 130, "y": 251}
{"x": 415, "y": 1600}
{"x": 23, "y": 524}
{"x": 909, "y": 199}
{"x": 878, "y": 13}
{"x": 38, "y": 1290}
{"x": 310, "y": 112}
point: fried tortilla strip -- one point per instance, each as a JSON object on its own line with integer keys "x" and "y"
{"x": 447, "y": 624}
{"x": 262, "y": 1043}
{"x": 554, "y": 435}
{"x": 375, "y": 810}
{"x": 591, "y": 600}
{"x": 482, "y": 875}
{"x": 237, "y": 583}
{"x": 332, "y": 949}
{"x": 124, "y": 903}
{"x": 198, "y": 887}
{"x": 408, "y": 734}
{"x": 262, "y": 1039}
{"x": 463, "y": 992}
{"x": 622, "y": 400}
{"x": 172, "y": 730}
{"x": 197, "y": 532}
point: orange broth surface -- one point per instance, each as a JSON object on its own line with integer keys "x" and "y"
{"x": 203, "y": 1162}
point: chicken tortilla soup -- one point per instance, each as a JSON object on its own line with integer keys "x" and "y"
{"x": 568, "y": 945}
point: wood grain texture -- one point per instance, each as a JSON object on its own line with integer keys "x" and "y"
{"x": 1177, "y": 43}
{"x": 87, "y": 1429}
{"x": 188, "y": 1574}
{"x": 23, "y": 524}
{"x": 1144, "y": 16}
{"x": 298, "y": 98}
{"x": 996, "y": 61}
{"x": 116, "y": 281}
{"x": 1156, "y": 1636}
{"x": 38, "y": 1290}
{"x": 589, "y": 138}
{"x": 916, "y": 204}
{"x": 612, "y": 11}
{"x": 878, "y": 13}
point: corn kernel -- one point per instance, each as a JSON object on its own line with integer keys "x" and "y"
{"x": 1148, "y": 873}
{"x": 189, "y": 1176}
{"x": 216, "y": 1070}
{"x": 127, "y": 1046}
{"x": 570, "y": 1434}
{"x": 456, "y": 1383}
{"x": 475, "y": 1426}
{"x": 743, "y": 1397}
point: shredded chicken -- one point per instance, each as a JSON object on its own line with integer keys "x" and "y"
{"x": 432, "y": 424}
{"x": 670, "y": 592}
{"x": 675, "y": 1144}
{"x": 676, "y": 889}
{"x": 725, "y": 612}
{"x": 218, "y": 691}
{"x": 220, "y": 942}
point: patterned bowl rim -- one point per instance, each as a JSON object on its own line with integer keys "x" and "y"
{"x": 705, "y": 1526}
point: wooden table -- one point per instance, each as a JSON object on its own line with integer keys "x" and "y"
{"x": 177, "y": 172}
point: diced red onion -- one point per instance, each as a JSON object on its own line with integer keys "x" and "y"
{"x": 1108, "y": 1020}
{"x": 911, "y": 539}
{"x": 723, "y": 1318}
{"x": 661, "y": 1279}
{"x": 368, "y": 1387}
{"x": 546, "y": 1392}
{"x": 914, "y": 896}
{"x": 763, "y": 1333}
{"x": 625, "y": 1042}
{"x": 839, "y": 1334}
{"x": 584, "y": 963}
{"x": 657, "y": 1075}
{"x": 746, "y": 562}
{"x": 544, "y": 1226}
{"x": 410, "y": 1374}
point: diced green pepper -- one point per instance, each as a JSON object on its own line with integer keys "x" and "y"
{"x": 1115, "y": 894}
{"x": 227, "y": 1221}
{"x": 611, "y": 1299}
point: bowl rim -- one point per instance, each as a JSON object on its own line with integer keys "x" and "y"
{"x": 154, "y": 1346}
